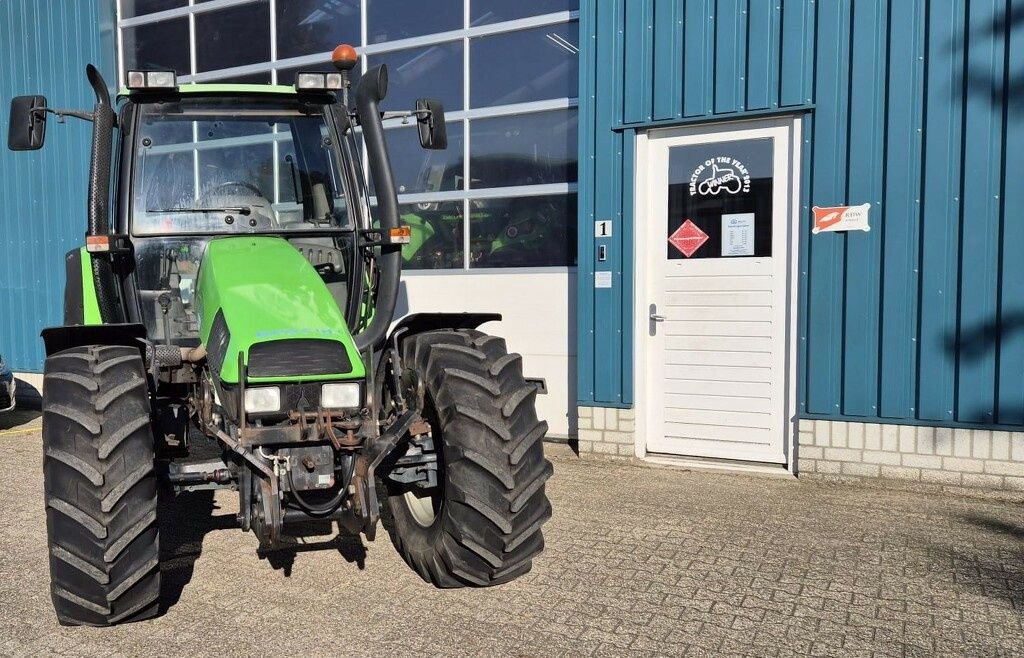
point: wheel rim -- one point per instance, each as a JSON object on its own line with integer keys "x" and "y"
{"x": 423, "y": 509}
{"x": 424, "y": 505}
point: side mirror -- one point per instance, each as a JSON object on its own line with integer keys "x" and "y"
{"x": 28, "y": 123}
{"x": 431, "y": 122}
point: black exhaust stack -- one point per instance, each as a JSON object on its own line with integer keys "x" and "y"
{"x": 99, "y": 195}
{"x": 373, "y": 87}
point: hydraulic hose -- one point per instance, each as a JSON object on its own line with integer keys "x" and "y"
{"x": 373, "y": 87}
{"x": 99, "y": 194}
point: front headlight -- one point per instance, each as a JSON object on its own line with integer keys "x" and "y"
{"x": 340, "y": 396}
{"x": 262, "y": 400}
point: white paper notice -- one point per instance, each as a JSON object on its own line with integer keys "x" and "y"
{"x": 602, "y": 279}
{"x": 738, "y": 234}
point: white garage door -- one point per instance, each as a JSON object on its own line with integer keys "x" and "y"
{"x": 717, "y": 229}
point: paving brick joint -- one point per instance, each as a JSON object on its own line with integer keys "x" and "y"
{"x": 639, "y": 561}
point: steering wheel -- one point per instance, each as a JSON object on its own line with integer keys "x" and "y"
{"x": 249, "y": 186}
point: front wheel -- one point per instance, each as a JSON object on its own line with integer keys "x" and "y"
{"x": 100, "y": 487}
{"x": 481, "y": 525}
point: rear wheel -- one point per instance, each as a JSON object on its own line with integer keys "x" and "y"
{"x": 100, "y": 487}
{"x": 481, "y": 525}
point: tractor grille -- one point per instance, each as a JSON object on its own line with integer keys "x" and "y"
{"x": 298, "y": 357}
{"x": 217, "y": 345}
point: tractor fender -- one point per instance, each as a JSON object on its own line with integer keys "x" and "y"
{"x": 418, "y": 323}
{"x": 58, "y": 339}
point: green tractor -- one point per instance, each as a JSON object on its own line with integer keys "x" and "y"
{"x": 229, "y": 324}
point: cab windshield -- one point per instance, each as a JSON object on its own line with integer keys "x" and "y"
{"x": 210, "y": 167}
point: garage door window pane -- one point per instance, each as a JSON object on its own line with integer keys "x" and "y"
{"x": 525, "y": 66}
{"x": 419, "y": 171}
{"x": 523, "y": 232}
{"x": 133, "y": 8}
{"x": 233, "y": 37}
{"x": 431, "y": 72}
{"x": 160, "y": 46}
{"x": 390, "y": 20}
{"x": 527, "y": 149}
{"x": 495, "y": 11}
{"x": 307, "y": 27}
{"x": 437, "y": 230}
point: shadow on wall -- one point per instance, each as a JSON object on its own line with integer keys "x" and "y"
{"x": 980, "y": 81}
{"x": 970, "y": 344}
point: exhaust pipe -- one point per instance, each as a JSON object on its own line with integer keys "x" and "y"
{"x": 99, "y": 195}
{"x": 373, "y": 87}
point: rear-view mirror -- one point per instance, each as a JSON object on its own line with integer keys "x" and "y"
{"x": 431, "y": 122}
{"x": 27, "y": 127}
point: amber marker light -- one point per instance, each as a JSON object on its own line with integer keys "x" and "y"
{"x": 344, "y": 57}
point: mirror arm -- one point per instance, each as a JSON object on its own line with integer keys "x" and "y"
{"x": 60, "y": 114}
{"x": 406, "y": 115}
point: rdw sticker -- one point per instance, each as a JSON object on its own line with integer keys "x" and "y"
{"x": 841, "y": 218}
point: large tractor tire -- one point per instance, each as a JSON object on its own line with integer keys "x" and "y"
{"x": 481, "y": 525}
{"x": 100, "y": 487}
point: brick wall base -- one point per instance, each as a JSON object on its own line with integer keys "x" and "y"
{"x": 960, "y": 458}
{"x": 608, "y": 432}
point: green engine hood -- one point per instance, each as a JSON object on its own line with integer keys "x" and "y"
{"x": 267, "y": 292}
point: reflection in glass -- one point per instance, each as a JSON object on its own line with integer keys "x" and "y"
{"x": 495, "y": 11}
{"x": 417, "y": 170}
{"x": 133, "y": 8}
{"x": 306, "y": 27}
{"x": 431, "y": 72}
{"x": 261, "y": 78}
{"x": 158, "y": 46}
{"x": 437, "y": 230}
{"x": 526, "y": 149}
{"x": 390, "y": 20}
{"x": 525, "y": 66}
{"x": 524, "y": 232}
{"x": 233, "y": 37}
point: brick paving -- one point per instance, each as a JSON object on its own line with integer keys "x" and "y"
{"x": 639, "y": 561}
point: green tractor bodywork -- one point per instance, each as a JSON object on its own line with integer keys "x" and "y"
{"x": 230, "y": 325}
{"x": 241, "y": 274}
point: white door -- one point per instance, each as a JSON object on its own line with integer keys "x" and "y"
{"x": 714, "y": 311}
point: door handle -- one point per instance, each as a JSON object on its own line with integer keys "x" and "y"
{"x": 654, "y": 318}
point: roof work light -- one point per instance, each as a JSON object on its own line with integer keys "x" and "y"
{"x": 313, "y": 81}
{"x": 151, "y": 80}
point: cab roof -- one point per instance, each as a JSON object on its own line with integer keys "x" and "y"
{"x": 200, "y": 89}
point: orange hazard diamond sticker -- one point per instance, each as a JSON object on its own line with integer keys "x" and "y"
{"x": 688, "y": 238}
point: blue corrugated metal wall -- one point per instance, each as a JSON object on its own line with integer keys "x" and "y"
{"x": 46, "y": 46}
{"x": 650, "y": 63}
{"x": 916, "y": 106}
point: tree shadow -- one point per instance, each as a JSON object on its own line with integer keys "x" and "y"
{"x": 998, "y": 574}
{"x": 983, "y": 340}
{"x": 349, "y": 546}
{"x": 185, "y": 520}
{"x": 980, "y": 80}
